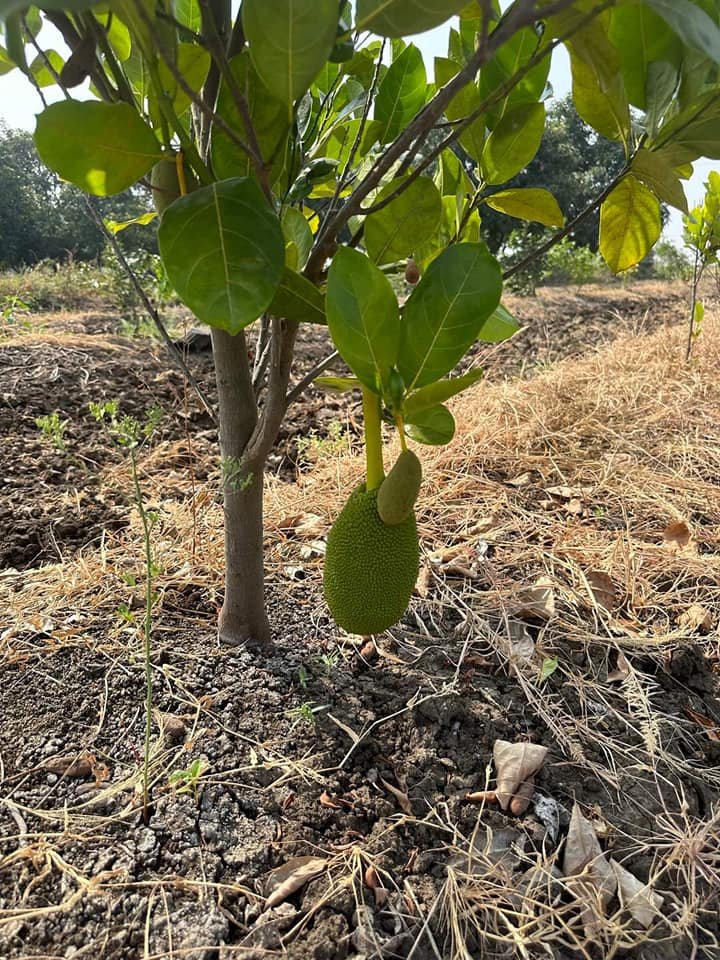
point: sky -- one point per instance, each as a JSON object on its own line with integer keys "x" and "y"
{"x": 19, "y": 103}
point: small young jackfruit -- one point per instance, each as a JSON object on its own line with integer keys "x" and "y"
{"x": 399, "y": 490}
{"x": 164, "y": 183}
{"x": 370, "y": 568}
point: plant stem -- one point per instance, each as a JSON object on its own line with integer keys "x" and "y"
{"x": 147, "y": 629}
{"x": 375, "y": 472}
{"x": 697, "y": 273}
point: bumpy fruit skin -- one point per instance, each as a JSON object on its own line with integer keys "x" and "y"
{"x": 399, "y": 490}
{"x": 370, "y": 568}
{"x": 164, "y": 183}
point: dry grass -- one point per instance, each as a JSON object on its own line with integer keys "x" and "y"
{"x": 577, "y": 476}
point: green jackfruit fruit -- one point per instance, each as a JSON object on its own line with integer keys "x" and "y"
{"x": 164, "y": 183}
{"x": 399, "y": 490}
{"x": 370, "y": 568}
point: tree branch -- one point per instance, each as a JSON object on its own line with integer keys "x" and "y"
{"x": 303, "y": 384}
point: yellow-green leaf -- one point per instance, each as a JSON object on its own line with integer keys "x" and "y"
{"x": 655, "y": 172}
{"x": 630, "y": 224}
{"x": 529, "y": 203}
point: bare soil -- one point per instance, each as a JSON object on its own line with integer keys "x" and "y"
{"x": 360, "y": 755}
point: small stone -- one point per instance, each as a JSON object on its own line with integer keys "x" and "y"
{"x": 51, "y": 779}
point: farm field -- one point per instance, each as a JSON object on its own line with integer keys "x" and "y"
{"x": 568, "y": 598}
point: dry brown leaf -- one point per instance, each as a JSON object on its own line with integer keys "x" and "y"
{"x": 677, "y": 535}
{"x": 696, "y": 618}
{"x": 638, "y": 898}
{"x": 400, "y": 795}
{"x": 602, "y": 589}
{"x": 522, "y": 645}
{"x": 583, "y": 856}
{"x": 514, "y": 764}
{"x": 522, "y": 480}
{"x": 574, "y": 507}
{"x": 537, "y": 602}
{"x": 424, "y": 581}
{"x": 288, "y": 878}
{"x": 310, "y": 526}
{"x": 327, "y": 801}
{"x": 73, "y": 766}
{"x": 710, "y": 726}
{"x": 521, "y": 801}
{"x": 622, "y": 668}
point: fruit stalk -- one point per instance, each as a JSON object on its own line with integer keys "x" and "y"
{"x": 375, "y": 472}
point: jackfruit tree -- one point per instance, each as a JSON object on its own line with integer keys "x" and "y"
{"x": 300, "y": 156}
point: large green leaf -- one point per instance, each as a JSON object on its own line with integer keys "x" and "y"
{"x": 223, "y": 250}
{"x": 269, "y": 118}
{"x": 363, "y": 316}
{"x": 401, "y": 93}
{"x": 44, "y": 76}
{"x": 439, "y": 392}
{"x": 400, "y": 18}
{"x": 462, "y": 105}
{"x": 187, "y": 12}
{"x": 405, "y": 223}
{"x": 641, "y": 37}
{"x": 103, "y": 148}
{"x": 8, "y": 7}
{"x": 434, "y": 426}
{"x": 296, "y": 230}
{"x": 340, "y": 143}
{"x": 692, "y": 24}
{"x": 656, "y": 172}
{"x": 513, "y": 143}
{"x": 446, "y": 312}
{"x": 298, "y": 299}
{"x": 290, "y": 40}
{"x": 630, "y": 224}
{"x": 529, "y": 203}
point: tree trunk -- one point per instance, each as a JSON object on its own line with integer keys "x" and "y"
{"x": 242, "y": 618}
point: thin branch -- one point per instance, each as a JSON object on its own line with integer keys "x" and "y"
{"x": 303, "y": 384}
{"x": 282, "y": 339}
{"x": 176, "y": 355}
{"x": 262, "y": 353}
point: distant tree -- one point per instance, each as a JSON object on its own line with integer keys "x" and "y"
{"x": 43, "y": 218}
{"x": 573, "y": 162}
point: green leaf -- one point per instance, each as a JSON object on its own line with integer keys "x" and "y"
{"x": 363, "y": 316}
{"x": 297, "y": 230}
{"x": 188, "y": 13}
{"x": 44, "y": 77}
{"x": 6, "y": 64}
{"x": 513, "y": 143}
{"x": 103, "y": 148}
{"x": 290, "y": 40}
{"x": 499, "y": 326}
{"x": 434, "y": 426}
{"x": 223, "y": 251}
{"x": 341, "y": 140}
{"x": 660, "y": 86}
{"x": 605, "y": 110}
{"x": 509, "y": 60}
{"x": 406, "y": 222}
{"x": 116, "y": 226}
{"x": 401, "y": 93}
{"x": 401, "y": 18}
{"x": 8, "y": 7}
{"x": 338, "y": 384}
{"x": 435, "y": 393}
{"x": 530, "y": 203}
{"x": 641, "y": 38}
{"x": 193, "y": 62}
{"x": 269, "y": 118}
{"x": 549, "y": 666}
{"x": 446, "y": 311}
{"x": 298, "y": 299}
{"x": 630, "y": 224}
{"x": 692, "y": 24}
{"x": 657, "y": 173}
{"x": 462, "y": 105}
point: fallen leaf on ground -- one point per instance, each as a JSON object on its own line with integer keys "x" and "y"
{"x": 521, "y": 801}
{"x": 583, "y": 855}
{"x": 564, "y": 492}
{"x": 71, "y": 766}
{"x": 288, "y": 878}
{"x": 638, "y": 898}
{"x": 622, "y": 669}
{"x": 482, "y": 796}
{"x": 677, "y": 535}
{"x": 710, "y": 726}
{"x": 537, "y": 602}
{"x": 522, "y": 480}
{"x": 696, "y": 618}
{"x": 514, "y": 764}
{"x": 460, "y": 560}
{"x": 373, "y": 881}
{"x": 400, "y": 795}
{"x": 602, "y": 589}
{"x": 424, "y": 581}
